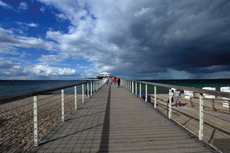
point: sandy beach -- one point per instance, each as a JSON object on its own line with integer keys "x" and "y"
{"x": 17, "y": 125}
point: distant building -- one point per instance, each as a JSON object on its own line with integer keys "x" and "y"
{"x": 100, "y": 76}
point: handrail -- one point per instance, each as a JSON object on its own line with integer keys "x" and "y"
{"x": 8, "y": 99}
{"x": 198, "y": 90}
{"x": 43, "y": 120}
{"x": 203, "y": 119}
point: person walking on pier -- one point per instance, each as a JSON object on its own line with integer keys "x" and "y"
{"x": 118, "y": 82}
{"x": 107, "y": 81}
{"x": 110, "y": 81}
{"x": 115, "y": 81}
{"x": 177, "y": 96}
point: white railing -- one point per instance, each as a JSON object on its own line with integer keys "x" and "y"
{"x": 27, "y": 118}
{"x": 205, "y": 118}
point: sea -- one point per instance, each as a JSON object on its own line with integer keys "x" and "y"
{"x": 196, "y": 83}
{"x": 12, "y": 87}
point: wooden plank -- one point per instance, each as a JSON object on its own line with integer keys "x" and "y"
{"x": 115, "y": 120}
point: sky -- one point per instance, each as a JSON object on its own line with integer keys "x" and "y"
{"x": 141, "y": 39}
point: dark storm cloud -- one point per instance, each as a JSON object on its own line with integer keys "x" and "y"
{"x": 191, "y": 36}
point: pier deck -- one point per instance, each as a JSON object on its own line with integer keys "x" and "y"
{"x": 115, "y": 120}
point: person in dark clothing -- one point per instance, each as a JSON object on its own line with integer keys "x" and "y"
{"x": 118, "y": 82}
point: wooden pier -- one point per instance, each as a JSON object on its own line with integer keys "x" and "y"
{"x": 115, "y": 120}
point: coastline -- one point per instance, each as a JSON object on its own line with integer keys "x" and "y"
{"x": 17, "y": 120}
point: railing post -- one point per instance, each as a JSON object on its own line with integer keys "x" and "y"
{"x": 155, "y": 96}
{"x": 63, "y": 105}
{"x": 170, "y": 109}
{"x": 201, "y": 117}
{"x": 91, "y": 88}
{"x": 140, "y": 89}
{"x": 97, "y": 85}
{"x": 94, "y": 86}
{"x": 82, "y": 93}
{"x": 75, "y": 96}
{"x": 146, "y": 91}
{"x": 87, "y": 90}
{"x": 35, "y": 121}
{"x": 132, "y": 87}
{"x": 135, "y": 88}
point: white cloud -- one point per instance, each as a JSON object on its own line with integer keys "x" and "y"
{"x": 5, "y": 63}
{"x": 27, "y": 24}
{"x": 9, "y": 39}
{"x": 44, "y": 70}
{"x": 118, "y": 35}
{"x": 32, "y": 25}
{"x": 5, "y": 5}
{"x": 83, "y": 67}
{"x": 23, "y": 6}
{"x": 143, "y": 11}
{"x": 42, "y": 9}
{"x": 61, "y": 16}
{"x": 54, "y": 59}
{"x": 37, "y": 70}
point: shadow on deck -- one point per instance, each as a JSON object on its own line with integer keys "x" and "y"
{"x": 115, "y": 120}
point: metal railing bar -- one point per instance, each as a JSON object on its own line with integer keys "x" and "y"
{"x": 17, "y": 116}
{"x": 197, "y": 90}
{"x": 18, "y": 132}
{"x": 16, "y": 108}
{"x": 51, "y": 103}
{"x": 8, "y": 99}
{"x": 45, "y": 109}
{"x": 219, "y": 129}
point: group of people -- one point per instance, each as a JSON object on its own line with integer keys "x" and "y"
{"x": 113, "y": 80}
{"x": 175, "y": 96}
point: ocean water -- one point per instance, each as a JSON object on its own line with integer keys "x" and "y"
{"x": 12, "y": 87}
{"x": 196, "y": 83}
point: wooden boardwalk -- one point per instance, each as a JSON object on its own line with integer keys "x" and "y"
{"x": 115, "y": 120}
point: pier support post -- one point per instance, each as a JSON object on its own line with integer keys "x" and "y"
{"x": 91, "y": 88}
{"x": 87, "y": 90}
{"x": 170, "y": 105}
{"x": 201, "y": 117}
{"x": 82, "y": 93}
{"x": 140, "y": 89}
{"x": 155, "y": 96}
{"x": 63, "y": 105}
{"x": 75, "y": 96}
{"x": 35, "y": 121}
{"x": 146, "y": 92}
{"x": 132, "y": 87}
{"x": 135, "y": 88}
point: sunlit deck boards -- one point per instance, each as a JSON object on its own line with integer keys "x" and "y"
{"x": 115, "y": 120}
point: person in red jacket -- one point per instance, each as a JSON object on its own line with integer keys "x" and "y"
{"x": 114, "y": 80}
